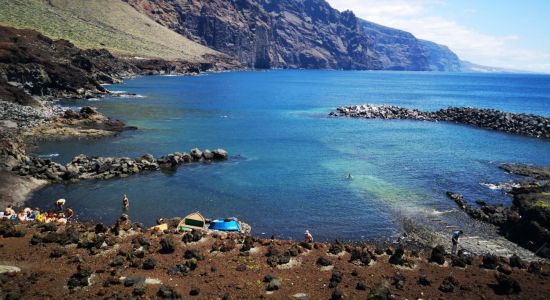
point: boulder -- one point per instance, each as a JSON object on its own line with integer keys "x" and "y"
{"x": 220, "y": 154}
{"x": 196, "y": 154}
{"x": 438, "y": 255}
{"x": 207, "y": 154}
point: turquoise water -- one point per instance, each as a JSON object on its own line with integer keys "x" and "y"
{"x": 289, "y": 160}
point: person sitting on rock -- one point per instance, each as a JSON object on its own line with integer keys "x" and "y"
{"x": 60, "y": 219}
{"x": 125, "y": 202}
{"x": 454, "y": 239}
{"x": 22, "y": 216}
{"x": 70, "y": 213}
{"x": 35, "y": 213}
{"x": 308, "y": 238}
{"x": 8, "y": 212}
{"x": 60, "y": 203}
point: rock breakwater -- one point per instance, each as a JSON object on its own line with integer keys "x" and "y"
{"x": 84, "y": 167}
{"x": 515, "y": 123}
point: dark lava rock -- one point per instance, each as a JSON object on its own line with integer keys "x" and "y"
{"x": 69, "y": 236}
{"x": 517, "y": 262}
{"x": 268, "y": 277}
{"x": 284, "y": 258}
{"x": 167, "y": 292}
{"x": 35, "y": 240}
{"x": 149, "y": 264}
{"x": 273, "y": 284}
{"x": 273, "y": 261}
{"x": 423, "y": 280}
{"x": 139, "y": 291}
{"x": 191, "y": 253}
{"x": 143, "y": 241}
{"x": 397, "y": 257}
{"x": 272, "y": 251}
{"x": 7, "y": 229}
{"x": 535, "y": 267}
{"x": 48, "y": 227}
{"x": 448, "y": 285}
{"x": 360, "y": 255}
{"x": 337, "y": 294}
{"x": 489, "y": 261}
{"x": 336, "y": 248}
{"x": 194, "y": 291}
{"x": 58, "y": 252}
{"x": 458, "y": 261}
{"x": 361, "y": 285}
{"x": 378, "y": 251}
{"x": 323, "y": 262}
{"x": 335, "y": 279}
{"x": 505, "y": 285}
{"x": 294, "y": 250}
{"x": 167, "y": 246}
{"x": 51, "y": 237}
{"x": 307, "y": 246}
{"x": 118, "y": 261}
{"x": 438, "y": 255}
{"x": 101, "y": 228}
{"x": 399, "y": 281}
{"x": 190, "y": 237}
{"x": 130, "y": 281}
{"x": 79, "y": 279}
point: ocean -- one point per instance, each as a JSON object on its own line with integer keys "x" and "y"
{"x": 289, "y": 161}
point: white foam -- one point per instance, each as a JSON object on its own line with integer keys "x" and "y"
{"x": 49, "y": 155}
{"x": 501, "y": 186}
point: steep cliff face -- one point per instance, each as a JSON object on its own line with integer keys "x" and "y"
{"x": 295, "y": 34}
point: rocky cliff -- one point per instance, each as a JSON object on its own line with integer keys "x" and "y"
{"x": 296, "y": 34}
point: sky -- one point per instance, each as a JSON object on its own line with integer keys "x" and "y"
{"x": 509, "y": 34}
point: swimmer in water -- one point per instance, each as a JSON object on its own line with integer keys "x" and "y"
{"x": 349, "y": 176}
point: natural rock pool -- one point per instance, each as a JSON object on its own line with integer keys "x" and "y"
{"x": 289, "y": 161}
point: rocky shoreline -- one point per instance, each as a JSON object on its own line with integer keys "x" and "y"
{"x": 527, "y": 221}
{"x": 514, "y": 123}
{"x": 35, "y": 69}
{"x": 126, "y": 260}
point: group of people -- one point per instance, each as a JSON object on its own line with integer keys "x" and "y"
{"x": 61, "y": 215}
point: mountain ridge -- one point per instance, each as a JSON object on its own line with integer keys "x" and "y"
{"x": 297, "y": 34}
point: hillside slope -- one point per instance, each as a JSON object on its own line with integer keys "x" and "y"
{"x": 296, "y": 34}
{"x": 109, "y": 24}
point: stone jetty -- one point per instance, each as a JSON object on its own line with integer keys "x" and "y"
{"x": 84, "y": 167}
{"x": 515, "y": 123}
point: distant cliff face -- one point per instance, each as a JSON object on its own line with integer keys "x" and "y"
{"x": 296, "y": 34}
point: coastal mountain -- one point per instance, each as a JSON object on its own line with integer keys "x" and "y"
{"x": 297, "y": 34}
{"x": 255, "y": 33}
{"x": 109, "y": 24}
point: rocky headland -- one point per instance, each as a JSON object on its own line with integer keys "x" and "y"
{"x": 527, "y": 221}
{"x": 492, "y": 119}
{"x": 126, "y": 260}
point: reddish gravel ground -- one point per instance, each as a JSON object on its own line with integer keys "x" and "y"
{"x": 47, "y": 266}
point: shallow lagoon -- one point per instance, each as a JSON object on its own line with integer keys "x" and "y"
{"x": 289, "y": 161}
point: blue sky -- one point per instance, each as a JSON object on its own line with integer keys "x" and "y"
{"x": 506, "y": 33}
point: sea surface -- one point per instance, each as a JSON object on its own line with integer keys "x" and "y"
{"x": 289, "y": 160}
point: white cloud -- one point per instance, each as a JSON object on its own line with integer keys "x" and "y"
{"x": 418, "y": 17}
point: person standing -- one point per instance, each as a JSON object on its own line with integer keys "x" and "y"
{"x": 60, "y": 203}
{"x": 308, "y": 238}
{"x": 455, "y": 237}
{"x": 125, "y": 202}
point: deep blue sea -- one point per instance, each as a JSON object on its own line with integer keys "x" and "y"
{"x": 289, "y": 160}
